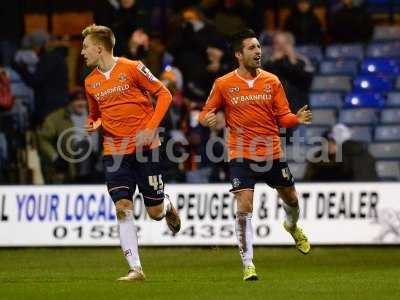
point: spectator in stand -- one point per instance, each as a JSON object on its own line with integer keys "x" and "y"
{"x": 63, "y": 131}
{"x": 189, "y": 48}
{"x": 350, "y": 24}
{"x": 347, "y": 159}
{"x": 294, "y": 70}
{"x": 304, "y": 24}
{"x": 49, "y": 79}
{"x": 11, "y": 29}
{"x": 123, "y": 17}
{"x": 230, "y": 16}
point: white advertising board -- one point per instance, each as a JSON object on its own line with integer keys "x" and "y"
{"x": 84, "y": 215}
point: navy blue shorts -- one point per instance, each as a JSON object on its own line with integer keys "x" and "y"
{"x": 245, "y": 173}
{"x": 124, "y": 172}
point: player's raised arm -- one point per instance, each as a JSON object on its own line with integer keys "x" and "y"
{"x": 207, "y": 116}
{"x": 93, "y": 120}
{"x": 146, "y": 80}
{"x": 285, "y": 117}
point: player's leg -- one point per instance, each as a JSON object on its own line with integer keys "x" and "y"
{"x": 280, "y": 178}
{"x": 121, "y": 188}
{"x": 151, "y": 186}
{"x": 243, "y": 189}
{"x": 291, "y": 207}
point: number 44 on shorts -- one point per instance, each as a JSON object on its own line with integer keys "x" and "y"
{"x": 156, "y": 182}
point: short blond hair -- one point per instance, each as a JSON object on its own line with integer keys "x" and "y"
{"x": 100, "y": 34}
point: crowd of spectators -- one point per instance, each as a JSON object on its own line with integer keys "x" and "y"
{"x": 188, "y": 49}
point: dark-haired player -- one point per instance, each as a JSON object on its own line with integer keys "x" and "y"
{"x": 255, "y": 107}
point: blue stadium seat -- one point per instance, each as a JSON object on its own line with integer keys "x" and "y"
{"x": 387, "y": 133}
{"x": 314, "y": 132}
{"x": 385, "y": 150}
{"x": 331, "y": 84}
{"x": 343, "y": 51}
{"x": 313, "y": 52}
{"x": 368, "y": 100}
{"x": 360, "y": 116}
{"x": 338, "y": 67}
{"x": 361, "y": 133}
{"x": 324, "y": 117}
{"x": 386, "y": 33}
{"x": 298, "y": 170}
{"x": 370, "y": 83}
{"x": 382, "y": 66}
{"x": 379, "y": 49}
{"x": 393, "y": 99}
{"x": 390, "y": 115}
{"x": 388, "y": 170}
{"x": 325, "y": 100}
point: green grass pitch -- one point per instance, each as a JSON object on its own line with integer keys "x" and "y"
{"x": 201, "y": 273}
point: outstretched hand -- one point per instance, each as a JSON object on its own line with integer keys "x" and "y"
{"x": 305, "y": 115}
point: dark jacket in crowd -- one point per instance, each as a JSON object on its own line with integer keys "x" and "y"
{"x": 350, "y": 25}
{"x": 306, "y": 27}
{"x": 49, "y": 81}
{"x": 357, "y": 164}
{"x": 296, "y": 79}
{"x": 189, "y": 49}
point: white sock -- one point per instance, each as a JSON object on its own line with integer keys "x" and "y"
{"x": 291, "y": 214}
{"x": 128, "y": 238}
{"x": 244, "y": 234}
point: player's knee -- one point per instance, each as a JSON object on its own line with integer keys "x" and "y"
{"x": 288, "y": 195}
{"x": 244, "y": 202}
{"x": 156, "y": 212}
{"x": 123, "y": 207}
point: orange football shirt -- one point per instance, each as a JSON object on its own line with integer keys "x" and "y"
{"x": 122, "y": 100}
{"x": 255, "y": 108}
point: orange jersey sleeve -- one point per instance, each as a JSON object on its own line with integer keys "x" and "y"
{"x": 283, "y": 114}
{"x": 214, "y": 102}
{"x": 94, "y": 112}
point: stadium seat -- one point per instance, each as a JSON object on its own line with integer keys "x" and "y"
{"x": 391, "y": 49}
{"x": 393, "y": 99}
{"x": 360, "y": 116}
{"x": 323, "y": 117}
{"x": 313, "y": 52}
{"x": 390, "y": 115}
{"x": 368, "y": 100}
{"x": 385, "y": 150}
{"x": 325, "y": 100}
{"x": 386, "y": 33}
{"x": 370, "y": 83}
{"x": 388, "y": 170}
{"x": 298, "y": 170}
{"x": 398, "y": 83}
{"x": 343, "y": 51}
{"x": 338, "y": 67}
{"x": 331, "y": 84}
{"x": 313, "y": 132}
{"x": 382, "y": 66}
{"x": 361, "y": 133}
{"x": 387, "y": 133}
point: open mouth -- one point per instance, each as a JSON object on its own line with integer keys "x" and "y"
{"x": 257, "y": 58}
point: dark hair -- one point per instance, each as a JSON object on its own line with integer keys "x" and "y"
{"x": 237, "y": 39}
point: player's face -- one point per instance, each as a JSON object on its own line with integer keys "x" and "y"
{"x": 250, "y": 56}
{"x": 90, "y": 52}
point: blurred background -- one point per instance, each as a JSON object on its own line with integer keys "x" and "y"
{"x": 341, "y": 57}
